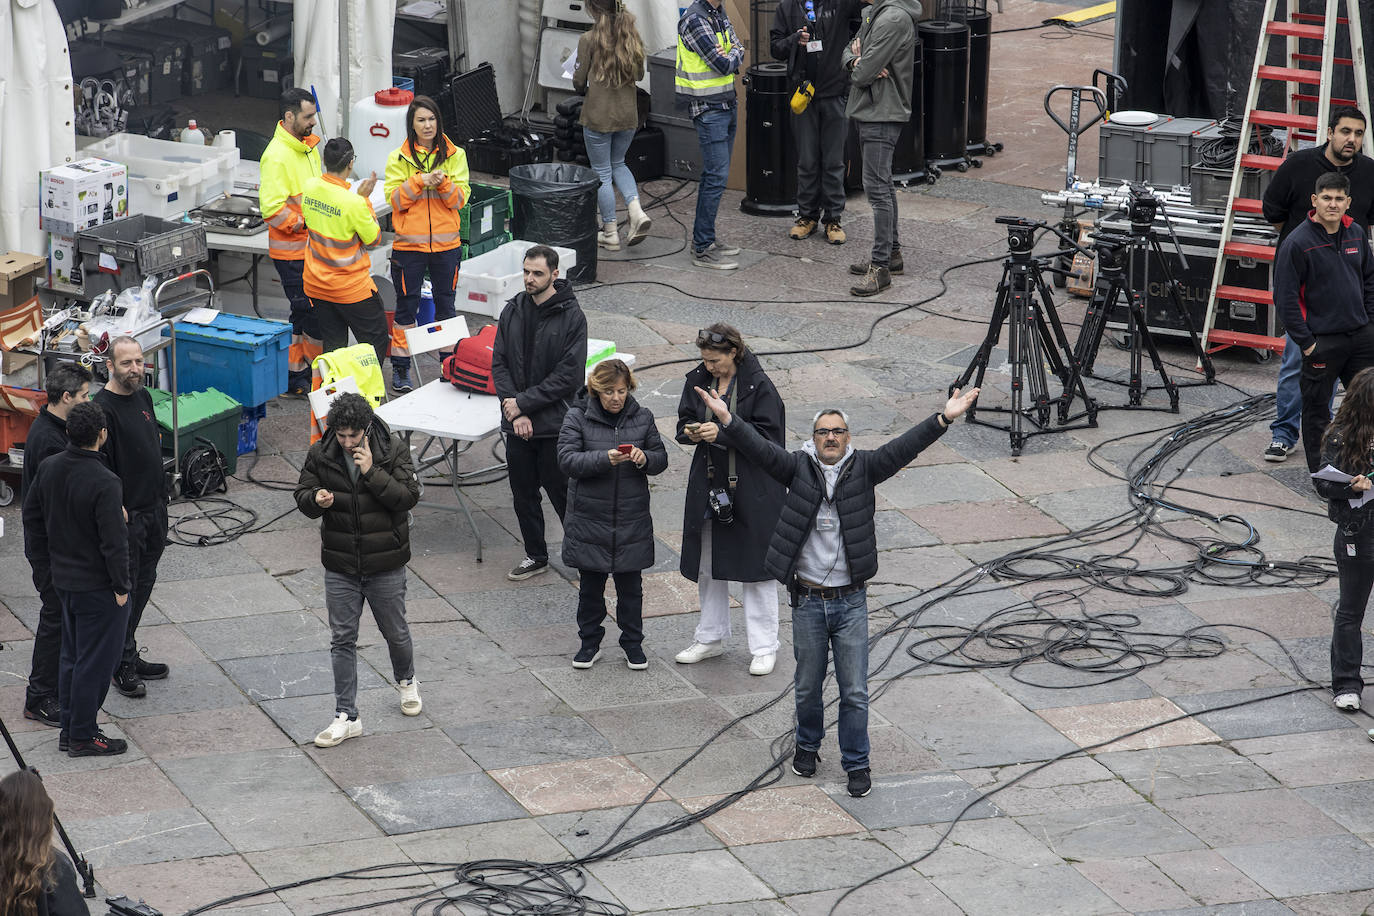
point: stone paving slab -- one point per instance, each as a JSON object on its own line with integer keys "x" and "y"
{"x": 438, "y": 801}
{"x": 680, "y": 879}
{"x": 144, "y": 837}
{"x": 583, "y": 832}
{"x": 1315, "y": 865}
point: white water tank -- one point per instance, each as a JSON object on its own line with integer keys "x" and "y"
{"x": 376, "y": 126}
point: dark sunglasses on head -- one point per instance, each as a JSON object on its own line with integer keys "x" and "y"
{"x": 705, "y": 337}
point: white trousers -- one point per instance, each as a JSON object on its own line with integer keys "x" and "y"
{"x": 760, "y": 605}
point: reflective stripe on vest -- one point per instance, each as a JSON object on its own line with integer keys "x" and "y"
{"x": 694, "y": 74}
{"x": 440, "y": 240}
{"x": 334, "y": 252}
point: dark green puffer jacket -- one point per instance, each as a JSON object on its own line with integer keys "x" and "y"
{"x": 367, "y": 530}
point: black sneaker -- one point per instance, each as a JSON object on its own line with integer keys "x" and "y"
{"x": 635, "y": 659}
{"x": 526, "y": 568}
{"x": 46, "y": 711}
{"x": 804, "y": 762}
{"x": 860, "y": 783}
{"x": 64, "y": 743}
{"x": 150, "y": 671}
{"x": 586, "y": 657}
{"x": 99, "y": 746}
{"x": 1277, "y": 451}
{"x": 127, "y": 681}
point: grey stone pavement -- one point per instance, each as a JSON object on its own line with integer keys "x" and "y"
{"x": 1263, "y": 808}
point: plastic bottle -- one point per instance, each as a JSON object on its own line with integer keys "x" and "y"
{"x": 192, "y": 134}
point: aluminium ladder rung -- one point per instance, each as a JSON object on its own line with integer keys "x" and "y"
{"x": 1246, "y": 294}
{"x": 1318, "y": 18}
{"x": 1225, "y": 339}
{"x": 1248, "y": 205}
{"x": 1249, "y": 250}
{"x": 1300, "y": 97}
{"x": 1283, "y": 119}
{"x": 1256, "y": 161}
{"x": 1317, "y": 58}
{"x": 1291, "y": 75}
{"x": 1296, "y": 30}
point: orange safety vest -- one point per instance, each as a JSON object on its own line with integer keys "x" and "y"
{"x": 286, "y": 165}
{"x": 426, "y": 219}
{"x": 340, "y": 225}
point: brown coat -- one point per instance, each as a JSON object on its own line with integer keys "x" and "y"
{"x": 607, "y": 109}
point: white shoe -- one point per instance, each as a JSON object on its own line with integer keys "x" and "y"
{"x": 410, "y": 697}
{"x": 639, "y": 223}
{"x": 609, "y": 237}
{"x": 699, "y": 651}
{"x": 1350, "y": 702}
{"x": 339, "y": 731}
{"x": 762, "y": 664}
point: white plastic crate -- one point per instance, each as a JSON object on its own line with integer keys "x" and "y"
{"x": 167, "y": 177}
{"x": 487, "y": 281}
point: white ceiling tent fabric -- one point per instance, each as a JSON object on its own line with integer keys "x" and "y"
{"x": 36, "y": 112}
{"x": 368, "y": 30}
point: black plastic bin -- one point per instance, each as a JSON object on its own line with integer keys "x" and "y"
{"x": 555, "y": 204}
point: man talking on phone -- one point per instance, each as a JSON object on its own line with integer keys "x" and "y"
{"x": 360, "y": 482}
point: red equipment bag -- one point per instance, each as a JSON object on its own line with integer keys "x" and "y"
{"x": 469, "y": 368}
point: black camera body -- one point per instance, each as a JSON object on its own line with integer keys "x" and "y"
{"x": 123, "y": 906}
{"x": 721, "y": 506}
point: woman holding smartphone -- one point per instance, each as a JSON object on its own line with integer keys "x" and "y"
{"x": 609, "y": 447}
{"x": 732, "y": 505}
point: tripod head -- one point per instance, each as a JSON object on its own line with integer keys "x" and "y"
{"x": 1112, "y": 248}
{"x": 1141, "y": 207}
{"x": 1021, "y": 238}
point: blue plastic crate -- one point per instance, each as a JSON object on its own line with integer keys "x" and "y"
{"x": 243, "y": 357}
{"x": 248, "y": 428}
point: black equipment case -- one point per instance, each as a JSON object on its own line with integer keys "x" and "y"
{"x": 426, "y": 67}
{"x": 168, "y": 59}
{"x": 206, "y": 68}
{"x": 491, "y": 146}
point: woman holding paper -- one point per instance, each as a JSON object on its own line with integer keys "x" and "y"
{"x": 1344, "y": 481}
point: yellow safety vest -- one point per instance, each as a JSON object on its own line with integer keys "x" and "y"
{"x": 359, "y": 361}
{"x": 695, "y": 76}
{"x": 286, "y": 165}
{"x": 340, "y": 225}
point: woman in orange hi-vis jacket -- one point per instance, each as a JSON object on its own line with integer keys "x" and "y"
{"x": 427, "y": 184}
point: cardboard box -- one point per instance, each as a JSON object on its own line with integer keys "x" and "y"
{"x": 64, "y": 264}
{"x": 82, "y": 195}
{"x": 18, "y": 370}
{"x": 18, "y": 274}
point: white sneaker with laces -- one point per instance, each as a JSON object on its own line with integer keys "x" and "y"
{"x": 1350, "y": 702}
{"x": 760, "y": 665}
{"x": 699, "y": 651}
{"x": 410, "y": 697}
{"x": 339, "y": 731}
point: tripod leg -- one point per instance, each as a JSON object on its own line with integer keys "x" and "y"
{"x": 1143, "y": 333}
{"x": 1199, "y": 346}
{"x": 1072, "y": 378}
{"x": 977, "y": 369}
{"x": 1016, "y": 325}
{"x": 1095, "y": 323}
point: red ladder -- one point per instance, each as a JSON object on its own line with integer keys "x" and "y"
{"x": 1317, "y": 27}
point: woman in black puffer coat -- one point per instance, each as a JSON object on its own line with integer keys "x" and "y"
{"x": 608, "y": 447}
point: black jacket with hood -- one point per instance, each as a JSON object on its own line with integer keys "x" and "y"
{"x": 836, "y": 22}
{"x": 540, "y": 357}
{"x": 367, "y": 529}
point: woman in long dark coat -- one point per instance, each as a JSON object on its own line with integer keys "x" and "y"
{"x": 714, "y": 554}
{"x": 609, "y": 447}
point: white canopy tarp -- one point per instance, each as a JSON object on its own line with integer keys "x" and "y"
{"x": 318, "y": 51}
{"x": 36, "y": 111}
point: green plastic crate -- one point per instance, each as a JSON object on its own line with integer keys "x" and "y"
{"x": 209, "y": 414}
{"x": 485, "y": 213}
{"x": 482, "y": 247}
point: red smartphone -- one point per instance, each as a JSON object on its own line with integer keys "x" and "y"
{"x": 624, "y": 449}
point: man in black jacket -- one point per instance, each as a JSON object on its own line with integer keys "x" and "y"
{"x": 134, "y": 451}
{"x": 66, "y": 385}
{"x": 824, "y": 550}
{"x": 811, "y": 36}
{"x": 1287, "y": 201}
{"x": 1324, "y": 291}
{"x": 358, "y": 479}
{"x": 538, "y": 362}
{"x": 74, "y": 533}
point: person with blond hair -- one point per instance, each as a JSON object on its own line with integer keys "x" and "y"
{"x": 610, "y": 60}
{"x": 609, "y": 447}
{"x": 34, "y": 877}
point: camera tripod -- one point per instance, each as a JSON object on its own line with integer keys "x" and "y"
{"x": 83, "y": 868}
{"x": 1035, "y": 338}
{"x": 1123, "y": 280}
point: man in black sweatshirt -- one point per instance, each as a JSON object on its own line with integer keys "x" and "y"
{"x": 810, "y": 35}
{"x": 74, "y": 531}
{"x": 135, "y": 454}
{"x": 1287, "y": 201}
{"x": 1324, "y": 290}
{"x": 66, "y": 386}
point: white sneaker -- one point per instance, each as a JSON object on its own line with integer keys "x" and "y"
{"x": 762, "y": 664}
{"x": 699, "y": 651}
{"x": 339, "y": 731}
{"x": 410, "y": 697}
{"x": 1350, "y": 702}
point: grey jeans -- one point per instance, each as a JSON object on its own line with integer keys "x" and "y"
{"x": 343, "y": 596}
{"x": 820, "y": 132}
{"x": 879, "y": 139}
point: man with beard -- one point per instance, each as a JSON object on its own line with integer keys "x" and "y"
{"x": 1287, "y": 201}
{"x": 538, "y": 362}
{"x": 135, "y": 454}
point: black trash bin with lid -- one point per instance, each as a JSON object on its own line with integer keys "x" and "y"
{"x": 555, "y": 204}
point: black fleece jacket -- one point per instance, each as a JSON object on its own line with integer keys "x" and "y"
{"x": 854, "y": 497}
{"x": 1288, "y": 198}
{"x": 540, "y": 357}
{"x": 1324, "y": 283}
{"x": 74, "y": 523}
{"x": 47, "y": 436}
{"x": 836, "y": 22}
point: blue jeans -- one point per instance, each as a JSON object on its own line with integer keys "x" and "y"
{"x": 1288, "y": 396}
{"x": 716, "y": 134}
{"x": 819, "y": 628}
{"x": 606, "y": 153}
